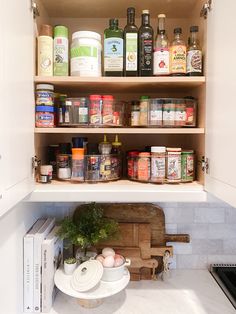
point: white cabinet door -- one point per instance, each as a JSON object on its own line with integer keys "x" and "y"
{"x": 221, "y": 101}
{"x": 17, "y": 101}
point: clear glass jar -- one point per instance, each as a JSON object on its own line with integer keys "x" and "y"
{"x": 173, "y": 165}
{"x": 64, "y": 166}
{"x": 168, "y": 113}
{"x": 158, "y": 164}
{"x": 155, "y": 112}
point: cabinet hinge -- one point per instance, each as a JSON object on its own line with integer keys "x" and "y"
{"x": 34, "y": 8}
{"x": 205, "y": 164}
{"x": 35, "y": 162}
{"x": 206, "y": 9}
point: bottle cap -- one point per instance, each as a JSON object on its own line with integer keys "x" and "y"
{"x": 44, "y": 109}
{"x": 144, "y": 154}
{"x": 45, "y": 30}
{"x": 158, "y": 149}
{"x": 65, "y": 148}
{"x": 95, "y": 97}
{"x": 45, "y": 86}
{"x": 60, "y": 31}
{"x": 178, "y": 30}
{"x": 77, "y": 152}
{"x": 161, "y": 16}
{"x": 144, "y": 97}
{"x": 107, "y": 97}
{"x": 145, "y": 12}
{"x": 131, "y": 10}
{"x": 114, "y": 22}
{"x": 78, "y": 142}
{"x": 193, "y": 29}
{"x": 116, "y": 142}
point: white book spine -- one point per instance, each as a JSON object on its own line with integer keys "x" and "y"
{"x": 47, "y": 271}
{"x": 28, "y": 274}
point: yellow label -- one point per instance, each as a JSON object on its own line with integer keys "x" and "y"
{"x": 178, "y": 59}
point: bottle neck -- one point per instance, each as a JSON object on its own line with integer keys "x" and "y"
{"x": 193, "y": 38}
{"x": 161, "y": 26}
{"x": 177, "y": 36}
{"x": 145, "y": 19}
{"x": 113, "y": 26}
{"x": 130, "y": 19}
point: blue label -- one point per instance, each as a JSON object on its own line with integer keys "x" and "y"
{"x": 113, "y": 47}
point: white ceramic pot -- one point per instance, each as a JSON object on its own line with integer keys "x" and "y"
{"x": 115, "y": 273}
{"x": 69, "y": 268}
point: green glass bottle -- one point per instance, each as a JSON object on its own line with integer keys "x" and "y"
{"x": 113, "y": 49}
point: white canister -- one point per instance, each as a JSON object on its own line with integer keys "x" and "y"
{"x": 115, "y": 273}
{"x": 86, "y": 50}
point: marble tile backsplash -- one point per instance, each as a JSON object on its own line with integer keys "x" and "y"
{"x": 211, "y": 226}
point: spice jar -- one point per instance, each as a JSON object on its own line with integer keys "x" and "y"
{"x": 45, "y": 174}
{"x": 77, "y": 164}
{"x": 191, "y": 111}
{"x": 107, "y": 109}
{"x": 80, "y": 111}
{"x": 180, "y": 112}
{"x": 133, "y": 165}
{"x": 64, "y": 161}
{"x": 187, "y": 166}
{"x": 144, "y": 167}
{"x": 44, "y": 95}
{"x": 173, "y": 171}
{"x": 95, "y": 110}
{"x": 158, "y": 164}
{"x": 92, "y": 173}
{"x": 44, "y": 117}
{"x": 143, "y": 118}
{"x": 155, "y": 112}
{"x": 105, "y": 165}
{"x": 52, "y": 152}
{"x": 135, "y": 113}
{"x": 169, "y": 113}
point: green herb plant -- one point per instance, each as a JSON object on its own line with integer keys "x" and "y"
{"x": 70, "y": 260}
{"x": 87, "y": 227}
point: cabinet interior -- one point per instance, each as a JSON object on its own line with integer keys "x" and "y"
{"x": 94, "y": 16}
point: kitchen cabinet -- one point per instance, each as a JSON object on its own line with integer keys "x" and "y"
{"x": 214, "y": 91}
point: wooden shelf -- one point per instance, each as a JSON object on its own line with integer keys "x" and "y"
{"x": 122, "y": 190}
{"x": 121, "y": 84}
{"x": 119, "y": 130}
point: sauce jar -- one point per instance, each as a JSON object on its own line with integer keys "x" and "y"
{"x": 187, "y": 166}
{"x": 95, "y": 110}
{"x": 44, "y": 95}
{"x": 107, "y": 109}
{"x": 173, "y": 165}
{"x": 44, "y": 117}
{"x": 144, "y": 166}
{"x": 158, "y": 164}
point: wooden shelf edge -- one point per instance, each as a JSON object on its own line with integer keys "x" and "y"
{"x": 120, "y": 130}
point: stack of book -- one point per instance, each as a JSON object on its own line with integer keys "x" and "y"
{"x": 42, "y": 256}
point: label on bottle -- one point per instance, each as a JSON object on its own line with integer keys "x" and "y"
{"x": 113, "y": 54}
{"x": 85, "y": 61}
{"x": 155, "y": 116}
{"x": 178, "y": 59}
{"x": 45, "y": 56}
{"x": 194, "y": 61}
{"x": 60, "y": 56}
{"x": 161, "y": 61}
{"x": 146, "y": 52}
{"x": 131, "y": 52}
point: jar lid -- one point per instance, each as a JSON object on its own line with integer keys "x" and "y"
{"x": 95, "y": 97}
{"x": 158, "y": 149}
{"x": 86, "y": 34}
{"x": 145, "y": 154}
{"x": 77, "y": 152}
{"x": 45, "y": 30}
{"x": 44, "y": 109}
{"x": 107, "y": 97}
{"x": 144, "y": 97}
{"x": 171, "y": 149}
{"x": 60, "y": 31}
{"x": 45, "y": 86}
{"x": 187, "y": 151}
{"x": 133, "y": 154}
{"x": 87, "y": 276}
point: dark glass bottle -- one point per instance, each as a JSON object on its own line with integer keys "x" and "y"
{"x": 145, "y": 39}
{"x": 131, "y": 45}
{"x": 194, "y": 54}
{"x": 113, "y": 49}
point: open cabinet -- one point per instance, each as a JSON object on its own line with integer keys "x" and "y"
{"x": 215, "y": 122}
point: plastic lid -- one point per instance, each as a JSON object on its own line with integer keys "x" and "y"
{"x": 45, "y": 30}
{"x": 77, "y": 152}
{"x": 45, "y": 86}
{"x": 144, "y": 154}
{"x": 171, "y": 149}
{"x": 158, "y": 149}
{"x": 87, "y": 276}
{"x": 144, "y": 97}
{"x": 161, "y": 16}
{"x": 193, "y": 29}
{"x": 116, "y": 142}
{"x": 60, "y": 31}
{"x": 188, "y": 151}
{"x": 86, "y": 34}
{"x": 95, "y": 97}
{"x": 44, "y": 109}
{"x": 78, "y": 142}
{"x": 133, "y": 154}
{"x": 107, "y": 97}
{"x": 145, "y": 11}
{"x": 178, "y": 30}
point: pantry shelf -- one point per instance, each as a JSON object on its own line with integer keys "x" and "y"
{"x": 121, "y": 84}
{"x": 119, "y": 191}
{"x": 119, "y": 130}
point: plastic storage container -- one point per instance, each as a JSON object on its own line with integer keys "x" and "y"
{"x": 74, "y": 112}
{"x": 155, "y": 112}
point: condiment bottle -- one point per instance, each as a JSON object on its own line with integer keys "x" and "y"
{"x": 113, "y": 49}
{"x": 194, "y": 54}
{"x": 161, "y": 50}
{"x": 178, "y": 54}
{"x": 105, "y": 165}
{"x": 45, "y": 51}
{"x": 116, "y": 159}
{"x": 61, "y": 60}
{"x": 131, "y": 45}
{"x": 158, "y": 164}
{"x": 145, "y": 40}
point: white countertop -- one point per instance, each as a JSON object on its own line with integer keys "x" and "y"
{"x": 185, "y": 292}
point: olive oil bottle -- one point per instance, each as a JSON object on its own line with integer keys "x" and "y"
{"x": 131, "y": 45}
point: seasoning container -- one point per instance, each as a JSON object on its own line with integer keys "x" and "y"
{"x": 44, "y": 95}
{"x": 64, "y": 161}
{"x": 180, "y": 112}
{"x": 80, "y": 112}
{"x": 86, "y": 52}
{"x": 155, "y": 112}
{"x": 158, "y": 164}
{"x": 61, "y": 59}
{"x": 191, "y": 111}
{"x": 169, "y": 113}
{"x": 105, "y": 165}
{"x": 45, "y": 51}
{"x": 92, "y": 173}
{"x": 144, "y": 166}
{"x": 107, "y": 109}
{"x": 187, "y": 166}
{"x": 144, "y": 104}
{"x": 173, "y": 171}
{"x": 133, "y": 165}
{"x": 45, "y": 174}
{"x": 44, "y": 117}
{"x": 95, "y": 110}
{"x": 135, "y": 113}
{"x": 52, "y": 152}
{"x": 80, "y": 142}
{"x": 77, "y": 164}
{"x": 116, "y": 157}
{"x": 61, "y": 109}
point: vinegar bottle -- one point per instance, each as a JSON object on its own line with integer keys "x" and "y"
{"x": 194, "y": 54}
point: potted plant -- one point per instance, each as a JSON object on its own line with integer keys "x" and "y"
{"x": 86, "y": 228}
{"x": 70, "y": 265}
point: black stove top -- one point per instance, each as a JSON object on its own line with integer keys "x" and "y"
{"x": 225, "y": 275}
